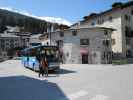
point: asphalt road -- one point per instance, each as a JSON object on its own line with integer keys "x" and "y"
{"x": 75, "y": 82}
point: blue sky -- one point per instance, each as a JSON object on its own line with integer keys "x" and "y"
{"x": 72, "y": 10}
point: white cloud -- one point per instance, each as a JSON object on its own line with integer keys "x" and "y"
{"x": 49, "y": 19}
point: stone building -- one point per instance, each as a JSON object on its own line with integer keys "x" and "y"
{"x": 12, "y": 38}
{"x": 119, "y": 17}
{"x": 25, "y": 38}
{"x": 8, "y": 41}
{"x": 82, "y": 45}
{"x": 34, "y": 40}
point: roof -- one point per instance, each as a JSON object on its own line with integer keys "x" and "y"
{"x": 89, "y": 28}
{"x": 8, "y": 35}
{"x": 92, "y": 28}
{"x": 35, "y": 36}
{"x": 20, "y": 33}
{"x": 40, "y": 46}
{"x": 94, "y": 15}
{"x": 124, "y": 5}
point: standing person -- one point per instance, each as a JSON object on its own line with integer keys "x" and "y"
{"x": 28, "y": 59}
{"x": 39, "y": 58}
{"x": 41, "y": 67}
{"x": 46, "y": 66}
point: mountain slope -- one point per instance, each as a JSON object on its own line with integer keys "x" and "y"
{"x": 29, "y": 23}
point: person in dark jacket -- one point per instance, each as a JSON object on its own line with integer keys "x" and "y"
{"x": 46, "y": 66}
{"x": 39, "y": 58}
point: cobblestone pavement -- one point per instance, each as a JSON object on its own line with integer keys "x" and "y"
{"x": 75, "y": 82}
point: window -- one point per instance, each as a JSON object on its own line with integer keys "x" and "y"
{"x": 113, "y": 41}
{"x": 61, "y": 34}
{"x": 7, "y": 40}
{"x": 132, "y": 12}
{"x": 16, "y": 44}
{"x": 7, "y": 44}
{"x": 106, "y": 43}
{"x": 47, "y": 43}
{"x": 92, "y": 23}
{"x": 129, "y": 53}
{"x": 84, "y": 41}
{"x": 47, "y": 36}
{"x": 3, "y": 41}
{"x": 100, "y": 21}
{"x": 11, "y": 41}
{"x": 104, "y": 55}
{"x": 59, "y": 43}
{"x": 127, "y": 28}
{"x": 16, "y": 40}
{"x": 128, "y": 31}
{"x": 110, "y": 18}
{"x": 3, "y": 47}
{"x": 11, "y": 45}
{"x": 128, "y": 41}
{"x": 74, "y": 33}
{"x": 105, "y": 32}
{"x": 127, "y": 18}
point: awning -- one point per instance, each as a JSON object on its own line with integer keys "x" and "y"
{"x": 84, "y": 51}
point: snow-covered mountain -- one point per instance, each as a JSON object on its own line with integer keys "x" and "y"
{"x": 56, "y": 20}
{"x": 46, "y": 18}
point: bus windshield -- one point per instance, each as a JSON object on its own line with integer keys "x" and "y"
{"x": 52, "y": 55}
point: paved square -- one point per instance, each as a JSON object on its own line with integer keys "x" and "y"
{"x": 75, "y": 82}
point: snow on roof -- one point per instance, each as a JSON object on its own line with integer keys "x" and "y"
{"x": 8, "y": 35}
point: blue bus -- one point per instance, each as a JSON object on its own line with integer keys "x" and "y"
{"x": 29, "y": 59}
